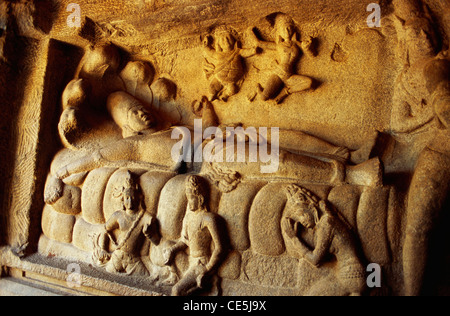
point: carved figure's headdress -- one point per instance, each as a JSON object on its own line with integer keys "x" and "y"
{"x": 223, "y": 29}
{"x": 127, "y": 184}
{"x": 283, "y": 19}
{"x": 302, "y": 197}
{"x": 193, "y": 184}
{"x": 196, "y": 185}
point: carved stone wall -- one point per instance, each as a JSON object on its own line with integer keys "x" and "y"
{"x": 225, "y": 147}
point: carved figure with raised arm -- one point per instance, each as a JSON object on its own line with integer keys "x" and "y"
{"x": 285, "y": 80}
{"x": 224, "y": 63}
{"x": 331, "y": 236}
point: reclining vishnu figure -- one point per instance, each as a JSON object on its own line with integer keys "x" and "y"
{"x": 146, "y": 144}
{"x": 302, "y": 157}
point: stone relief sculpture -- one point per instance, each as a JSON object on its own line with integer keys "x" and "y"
{"x": 301, "y": 156}
{"x": 130, "y": 214}
{"x": 411, "y": 94}
{"x": 129, "y": 108}
{"x": 204, "y": 109}
{"x": 183, "y": 244}
{"x": 288, "y": 49}
{"x": 425, "y": 202}
{"x": 134, "y": 224}
{"x": 99, "y": 67}
{"x": 141, "y": 148}
{"x": 98, "y": 77}
{"x": 340, "y": 194}
{"x": 421, "y": 104}
{"x": 130, "y": 114}
{"x": 73, "y": 121}
{"x": 331, "y": 236}
{"x": 224, "y": 63}
{"x": 201, "y": 232}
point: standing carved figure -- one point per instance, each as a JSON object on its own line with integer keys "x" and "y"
{"x": 201, "y": 230}
{"x": 285, "y": 80}
{"x": 422, "y": 105}
{"x": 331, "y": 236}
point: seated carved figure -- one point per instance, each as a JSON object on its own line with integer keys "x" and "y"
{"x": 220, "y": 220}
{"x": 201, "y": 230}
{"x": 134, "y": 223}
{"x": 331, "y": 236}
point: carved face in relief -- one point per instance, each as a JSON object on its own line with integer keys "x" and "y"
{"x": 306, "y": 215}
{"x": 304, "y": 206}
{"x": 129, "y": 199}
{"x": 139, "y": 119}
{"x": 195, "y": 200}
{"x": 127, "y": 193}
{"x": 225, "y": 42}
{"x": 129, "y": 113}
{"x": 284, "y": 29}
